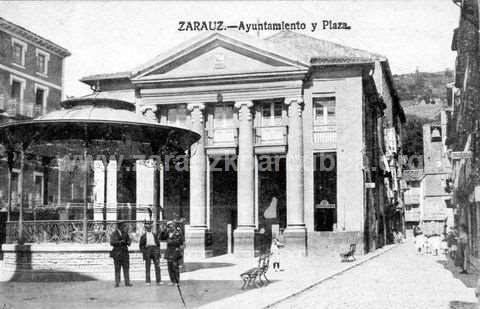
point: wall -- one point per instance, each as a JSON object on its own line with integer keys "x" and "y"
{"x": 347, "y": 86}
{"x": 67, "y": 262}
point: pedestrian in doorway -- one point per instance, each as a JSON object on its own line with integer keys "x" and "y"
{"x": 436, "y": 244}
{"x": 444, "y": 245}
{"x": 150, "y": 248}
{"x": 416, "y": 231}
{"x": 420, "y": 243}
{"x": 120, "y": 240}
{"x": 173, "y": 255}
{"x": 452, "y": 243}
{"x": 463, "y": 250}
{"x": 275, "y": 251}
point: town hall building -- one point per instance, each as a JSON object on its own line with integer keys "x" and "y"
{"x": 300, "y": 140}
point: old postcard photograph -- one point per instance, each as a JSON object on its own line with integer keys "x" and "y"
{"x": 240, "y": 154}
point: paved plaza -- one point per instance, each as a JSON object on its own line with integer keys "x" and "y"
{"x": 394, "y": 277}
{"x": 397, "y": 279}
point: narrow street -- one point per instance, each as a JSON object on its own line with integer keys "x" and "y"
{"x": 397, "y": 279}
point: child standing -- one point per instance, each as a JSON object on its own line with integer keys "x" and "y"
{"x": 275, "y": 251}
{"x": 420, "y": 241}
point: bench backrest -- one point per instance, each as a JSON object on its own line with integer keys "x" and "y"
{"x": 353, "y": 247}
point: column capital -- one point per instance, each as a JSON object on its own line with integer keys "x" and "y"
{"x": 192, "y": 106}
{"x": 290, "y": 100}
{"x": 196, "y": 111}
{"x": 149, "y": 111}
{"x": 239, "y": 104}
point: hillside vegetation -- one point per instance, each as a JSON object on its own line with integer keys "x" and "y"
{"x": 422, "y": 96}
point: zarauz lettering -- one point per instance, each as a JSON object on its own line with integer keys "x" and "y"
{"x": 200, "y": 25}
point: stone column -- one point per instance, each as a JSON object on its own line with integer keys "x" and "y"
{"x": 146, "y": 188}
{"x": 112, "y": 190}
{"x": 98, "y": 189}
{"x": 295, "y": 233}
{"x": 244, "y": 234}
{"x": 195, "y": 232}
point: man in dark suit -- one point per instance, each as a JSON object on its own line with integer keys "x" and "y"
{"x": 173, "y": 255}
{"x": 120, "y": 240}
{"x": 150, "y": 247}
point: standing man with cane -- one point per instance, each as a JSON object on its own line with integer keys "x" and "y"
{"x": 150, "y": 248}
{"x": 120, "y": 240}
{"x": 173, "y": 255}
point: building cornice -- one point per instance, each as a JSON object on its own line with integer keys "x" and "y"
{"x": 32, "y": 38}
{"x": 227, "y": 78}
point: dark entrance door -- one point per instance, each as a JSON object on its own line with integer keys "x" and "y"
{"x": 325, "y": 191}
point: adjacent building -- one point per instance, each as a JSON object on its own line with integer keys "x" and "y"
{"x": 31, "y": 84}
{"x": 464, "y": 122}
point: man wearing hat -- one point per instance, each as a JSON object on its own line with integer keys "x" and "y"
{"x": 150, "y": 247}
{"x": 120, "y": 240}
{"x": 173, "y": 255}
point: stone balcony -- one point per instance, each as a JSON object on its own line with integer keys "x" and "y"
{"x": 324, "y": 137}
{"x": 270, "y": 139}
{"x": 221, "y": 141}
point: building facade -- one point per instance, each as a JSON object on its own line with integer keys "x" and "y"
{"x": 413, "y": 199}
{"x": 300, "y": 137}
{"x": 464, "y": 122}
{"x": 437, "y": 212}
{"x": 31, "y": 84}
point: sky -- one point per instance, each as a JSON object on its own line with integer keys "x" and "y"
{"x": 110, "y": 36}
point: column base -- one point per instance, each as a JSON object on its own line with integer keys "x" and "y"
{"x": 195, "y": 243}
{"x": 244, "y": 242}
{"x": 295, "y": 238}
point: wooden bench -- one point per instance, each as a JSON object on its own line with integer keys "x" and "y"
{"x": 349, "y": 256}
{"x": 254, "y": 275}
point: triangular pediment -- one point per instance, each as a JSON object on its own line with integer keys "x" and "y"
{"x": 217, "y": 55}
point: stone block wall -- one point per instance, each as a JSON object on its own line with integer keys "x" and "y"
{"x": 68, "y": 262}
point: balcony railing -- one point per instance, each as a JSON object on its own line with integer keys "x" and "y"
{"x": 412, "y": 214}
{"x": 221, "y": 137}
{"x": 13, "y": 107}
{"x": 270, "y": 135}
{"x": 16, "y": 109}
{"x": 37, "y": 110}
{"x": 324, "y": 136}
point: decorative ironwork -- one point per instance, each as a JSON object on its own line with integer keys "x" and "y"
{"x": 71, "y": 231}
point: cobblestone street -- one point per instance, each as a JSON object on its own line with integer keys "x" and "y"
{"x": 397, "y": 279}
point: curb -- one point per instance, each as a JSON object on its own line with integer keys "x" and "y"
{"x": 330, "y": 276}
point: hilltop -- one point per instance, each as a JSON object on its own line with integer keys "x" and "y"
{"x": 422, "y": 96}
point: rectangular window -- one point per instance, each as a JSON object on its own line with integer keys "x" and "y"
{"x": 18, "y": 54}
{"x": 223, "y": 116}
{"x": 39, "y": 96}
{"x": 271, "y": 112}
{"x": 19, "y": 49}
{"x": 177, "y": 115}
{"x": 324, "y": 110}
{"x": 15, "y": 91}
{"x": 266, "y": 111}
{"x": 41, "y": 63}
